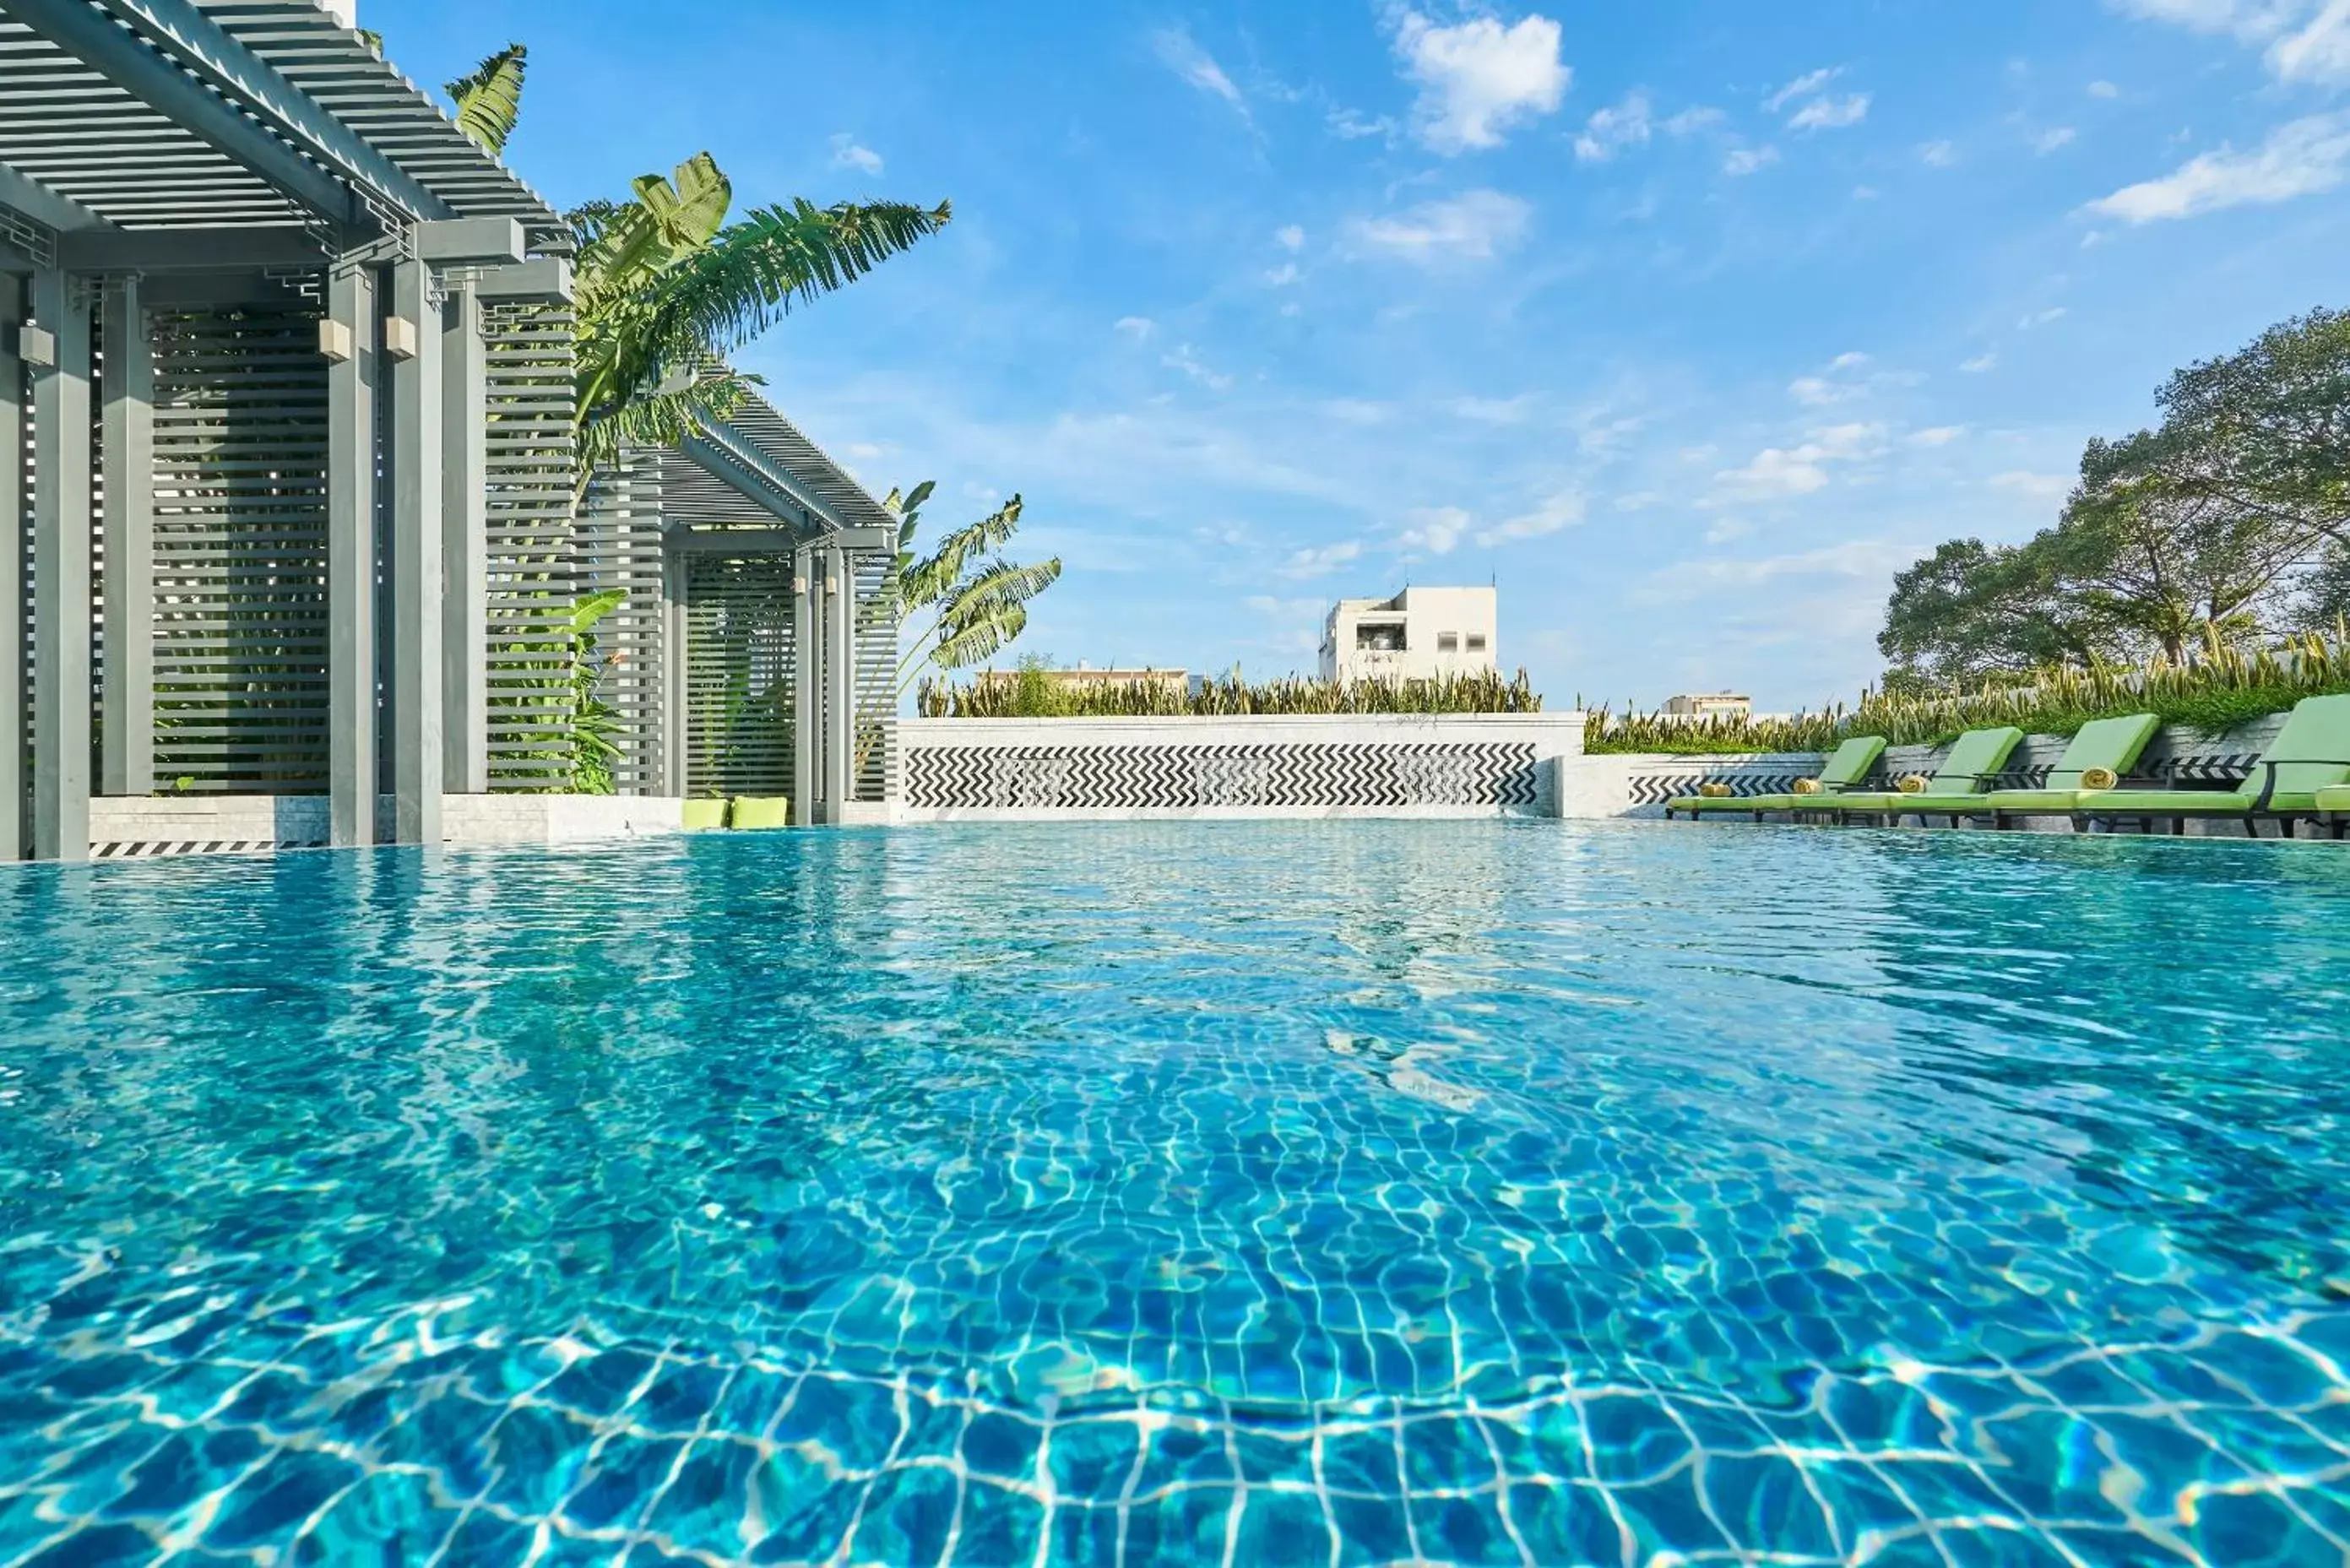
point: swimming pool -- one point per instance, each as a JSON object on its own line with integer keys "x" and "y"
{"x": 1286, "y": 1193}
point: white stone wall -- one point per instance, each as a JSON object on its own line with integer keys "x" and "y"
{"x": 1387, "y": 765}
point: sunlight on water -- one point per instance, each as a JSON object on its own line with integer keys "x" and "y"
{"x": 1305, "y": 1193}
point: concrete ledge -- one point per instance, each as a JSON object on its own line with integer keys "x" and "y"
{"x": 126, "y": 827}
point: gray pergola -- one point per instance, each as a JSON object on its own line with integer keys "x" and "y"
{"x": 317, "y": 534}
{"x": 769, "y": 649}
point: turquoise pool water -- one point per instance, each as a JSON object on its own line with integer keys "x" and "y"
{"x": 1320, "y": 1193}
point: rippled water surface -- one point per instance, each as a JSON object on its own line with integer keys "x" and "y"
{"x": 1518, "y": 1193}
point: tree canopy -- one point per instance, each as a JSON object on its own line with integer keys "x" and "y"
{"x": 2230, "y": 517}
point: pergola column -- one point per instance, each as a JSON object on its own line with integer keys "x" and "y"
{"x": 351, "y": 369}
{"x": 824, "y": 680}
{"x": 674, "y": 579}
{"x": 417, "y": 766}
{"x": 127, "y": 760}
{"x": 61, "y": 536}
{"x": 840, "y": 680}
{"x": 464, "y": 549}
{"x": 12, "y": 586}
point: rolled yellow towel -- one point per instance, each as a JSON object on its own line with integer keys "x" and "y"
{"x": 1915, "y": 783}
{"x": 2099, "y": 778}
{"x": 1807, "y": 786}
{"x": 1714, "y": 791}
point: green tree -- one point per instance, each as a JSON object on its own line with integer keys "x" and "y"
{"x": 2230, "y": 518}
{"x": 971, "y": 601}
{"x": 665, "y": 287}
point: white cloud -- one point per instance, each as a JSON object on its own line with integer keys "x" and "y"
{"x": 1851, "y": 359}
{"x": 2038, "y": 486}
{"x": 1774, "y": 474}
{"x": 1563, "y": 510}
{"x": 1284, "y": 275}
{"x": 1475, "y": 225}
{"x": 1830, "y": 113}
{"x": 1195, "y": 66}
{"x": 1352, "y": 125}
{"x": 1857, "y": 558}
{"x": 2103, "y": 89}
{"x": 1322, "y": 562}
{"x": 1779, "y": 473}
{"x": 1436, "y": 529}
{"x": 1690, "y": 122}
{"x": 2048, "y": 142}
{"x": 1185, "y": 360}
{"x": 1981, "y": 363}
{"x": 2306, "y": 40}
{"x": 1744, "y": 161}
{"x": 1137, "y": 326}
{"x": 1818, "y": 390}
{"x": 2301, "y": 158}
{"x": 865, "y": 451}
{"x": 1356, "y": 410}
{"x": 1939, "y": 435}
{"x": 1292, "y": 238}
{"x": 848, "y": 154}
{"x": 1937, "y": 154}
{"x": 1803, "y": 86}
{"x": 1479, "y": 79}
{"x": 2041, "y": 318}
{"x": 1609, "y": 131}
{"x": 1494, "y": 410}
{"x": 2320, "y": 51}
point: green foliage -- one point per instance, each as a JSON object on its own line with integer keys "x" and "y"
{"x": 977, "y": 602}
{"x": 666, "y": 288}
{"x": 2228, "y": 519}
{"x": 595, "y": 724}
{"x": 2222, "y": 686}
{"x": 1030, "y": 693}
{"x": 489, "y": 98}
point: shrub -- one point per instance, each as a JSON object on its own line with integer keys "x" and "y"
{"x": 2222, "y": 686}
{"x": 1031, "y": 695}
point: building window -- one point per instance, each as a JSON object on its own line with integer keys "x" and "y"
{"x": 1380, "y": 639}
{"x": 1476, "y": 643}
{"x": 1448, "y": 642}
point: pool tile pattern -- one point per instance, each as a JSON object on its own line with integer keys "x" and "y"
{"x": 1349, "y": 1194}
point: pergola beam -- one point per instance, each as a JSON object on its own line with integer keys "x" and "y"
{"x": 172, "y": 58}
{"x": 723, "y": 438}
{"x": 154, "y": 251}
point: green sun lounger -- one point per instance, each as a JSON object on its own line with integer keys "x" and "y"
{"x": 1955, "y": 790}
{"x": 1848, "y": 766}
{"x": 2334, "y": 809}
{"x": 2310, "y": 754}
{"x": 2112, "y": 745}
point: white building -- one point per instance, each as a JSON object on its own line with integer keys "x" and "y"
{"x": 1417, "y": 635}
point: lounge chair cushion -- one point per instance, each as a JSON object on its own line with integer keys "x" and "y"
{"x": 2334, "y": 799}
{"x": 2311, "y": 752}
{"x": 1975, "y": 757}
{"x": 1847, "y": 767}
{"x": 761, "y": 810}
{"x": 2111, "y": 743}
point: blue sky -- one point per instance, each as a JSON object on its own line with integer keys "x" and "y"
{"x": 1687, "y": 321}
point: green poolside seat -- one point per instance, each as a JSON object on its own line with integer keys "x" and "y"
{"x": 2109, "y": 745}
{"x": 2334, "y": 809}
{"x": 2310, "y": 754}
{"x": 761, "y": 810}
{"x": 1956, "y": 788}
{"x": 704, "y": 814}
{"x": 1845, "y": 768}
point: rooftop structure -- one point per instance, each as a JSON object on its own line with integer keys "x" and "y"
{"x": 290, "y": 357}
{"x": 1419, "y": 634}
{"x": 1708, "y": 705}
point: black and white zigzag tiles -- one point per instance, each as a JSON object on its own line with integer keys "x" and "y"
{"x": 1493, "y": 775}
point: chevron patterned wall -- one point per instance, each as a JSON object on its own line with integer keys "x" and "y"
{"x": 1496, "y": 775}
